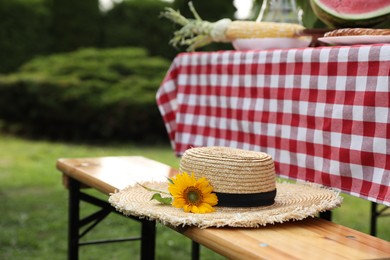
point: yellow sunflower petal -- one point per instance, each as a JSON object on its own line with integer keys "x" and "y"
{"x": 211, "y": 199}
{"x": 175, "y": 190}
{"x": 206, "y": 208}
{"x": 191, "y": 194}
{"x": 195, "y": 209}
{"x": 178, "y": 202}
{"x": 185, "y": 179}
{"x": 202, "y": 182}
{"x": 187, "y": 208}
{"x": 181, "y": 181}
{"x": 205, "y": 188}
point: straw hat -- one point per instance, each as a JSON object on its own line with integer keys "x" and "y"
{"x": 240, "y": 178}
{"x": 246, "y": 187}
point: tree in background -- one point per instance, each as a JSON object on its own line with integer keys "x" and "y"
{"x": 34, "y": 27}
{"x": 23, "y": 31}
{"x": 75, "y": 24}
{"x": 210, "y": 10}
{"x": 138, "y": 23}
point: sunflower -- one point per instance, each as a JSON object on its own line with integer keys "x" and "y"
{"x": 192, "y": 195}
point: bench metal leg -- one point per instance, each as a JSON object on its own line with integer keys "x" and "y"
{"x": 195, "y": 251}
{"x": 148, "y": 239}
{"x": 377, "y": 211}
{"x": 374, "y": 217}
{"x": 74, "y": 218}
{"x": 148, "y": 228}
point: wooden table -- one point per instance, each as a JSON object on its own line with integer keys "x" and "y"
{"x": 313, "y": 238}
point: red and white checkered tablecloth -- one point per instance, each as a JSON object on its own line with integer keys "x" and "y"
{"x": 322, "y": 113}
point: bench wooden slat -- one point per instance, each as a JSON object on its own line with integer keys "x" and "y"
{"x": 108, "y": 174}
{"x": 312, "y": 238}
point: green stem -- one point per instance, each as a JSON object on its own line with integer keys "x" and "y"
{"x": 153, "y": 190}
{"x": 174, "y": 16}
{"x": 194, "y": 12}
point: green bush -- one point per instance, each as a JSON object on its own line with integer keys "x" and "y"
{"x": 90, "y": 93}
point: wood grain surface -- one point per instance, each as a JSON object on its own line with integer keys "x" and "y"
{"x": 312, "y": 238}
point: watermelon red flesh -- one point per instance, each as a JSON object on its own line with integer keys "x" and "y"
{"x": 355, "y": 8}
{"x": 352, "y": 13}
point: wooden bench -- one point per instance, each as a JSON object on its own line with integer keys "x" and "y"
{"x": 313, "y": 238}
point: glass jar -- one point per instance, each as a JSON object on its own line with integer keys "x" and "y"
{"x": 283, "y": 11}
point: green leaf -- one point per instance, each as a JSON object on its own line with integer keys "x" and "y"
{"x": 159, "y": 198}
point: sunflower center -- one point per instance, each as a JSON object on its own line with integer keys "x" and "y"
{"x": 193, "y": 195}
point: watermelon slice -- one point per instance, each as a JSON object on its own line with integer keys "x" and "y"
{"x": 352, "y": 13}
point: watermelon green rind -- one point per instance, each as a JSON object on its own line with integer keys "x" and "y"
{"x": 380, "y": 18}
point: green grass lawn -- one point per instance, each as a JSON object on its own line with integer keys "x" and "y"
{"x": 33, "y": 208}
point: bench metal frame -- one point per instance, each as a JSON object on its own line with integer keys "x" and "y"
{"x": 377, "y": 211}
{"x": 75, "y": 226}
{"x": 75, "y": 232}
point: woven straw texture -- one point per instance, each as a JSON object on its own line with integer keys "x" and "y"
{"x": 231, "y": 170}
{"x": 292, "y": 202}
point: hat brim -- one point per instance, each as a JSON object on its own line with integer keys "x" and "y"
{"x": 293, "y": 202}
